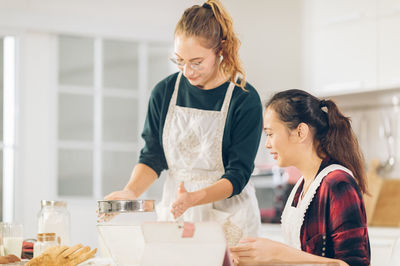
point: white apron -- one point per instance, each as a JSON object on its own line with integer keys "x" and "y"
{"x": 192, "y": 142}
{"x": 293, "y": 217}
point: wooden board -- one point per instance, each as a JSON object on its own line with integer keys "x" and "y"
{"x": 383, "y": 206}
{"x": 374, "y": 183}
{"x": 387, "y": 209}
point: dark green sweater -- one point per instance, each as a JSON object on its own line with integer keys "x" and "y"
{"x": 241, "y": 134}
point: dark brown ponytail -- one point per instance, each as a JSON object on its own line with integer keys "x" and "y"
{"x": 214, "y": 25}
{"x": 333, "y": 135}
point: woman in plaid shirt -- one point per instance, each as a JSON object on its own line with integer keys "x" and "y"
{"x": 324, "y": 219}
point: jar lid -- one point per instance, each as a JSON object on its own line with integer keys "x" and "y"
{"x": 112, "y": 206}
{"x": 53, "y": 203}
{"x": 46, "y": 236}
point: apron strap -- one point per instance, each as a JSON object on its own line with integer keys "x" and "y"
{"x": 227, "y": 99}
{"x": 176, "y": 89}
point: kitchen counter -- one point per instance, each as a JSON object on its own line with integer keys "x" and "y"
{"x": 381, "y": 240}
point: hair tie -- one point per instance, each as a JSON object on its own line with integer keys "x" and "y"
{"x": 322, "y": 104}
{"x": 205, "y": 5}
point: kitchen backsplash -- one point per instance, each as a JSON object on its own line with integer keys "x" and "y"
{"x": 375, "y": 119}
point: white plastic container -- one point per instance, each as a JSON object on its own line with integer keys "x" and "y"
{"x": 120, "y": 236}
{"x": 55, "y": 218}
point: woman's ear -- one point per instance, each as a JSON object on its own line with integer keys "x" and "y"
{"x": 302, "y": 132}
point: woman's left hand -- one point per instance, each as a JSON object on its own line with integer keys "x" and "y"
{"x": 184, "y": 201}
{"x": 254, "y": 251}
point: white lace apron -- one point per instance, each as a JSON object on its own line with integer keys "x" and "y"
{"x": 192, "y": 142}
{"x": 293, "y": 217}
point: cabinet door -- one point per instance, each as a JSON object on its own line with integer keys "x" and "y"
{"x": 117, "y": 166}
{"x": 388, "y": 8}
{"x": 120, "y": 65}
{"x": 345, "y": 58}
{"x": 158, "y": 63}
{"x": 75, "y": 174}
{"x": 382, "y": 240}
{"x": 75, "y": 149}
{"x": 75, "y": 117}
{"x": 120, "y": 120}
{"x": 75, "y": 61}
{"x": 388, "y": 44}
{"x": 333, "y": 12}
{"x": 342, "y": 45}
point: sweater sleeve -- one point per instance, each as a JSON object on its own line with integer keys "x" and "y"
{"x": 245, "y": 136}
{"x": 152, "y": 154}
{"x": 348, "y": 224}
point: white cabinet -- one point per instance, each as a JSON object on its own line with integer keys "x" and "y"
{"x": 345, "y": 57}
{"x": 381, "y": 241}
{"x": 352, "y": 46}
{"x": 330, "y": 12}
{"x": 388, "y": 42}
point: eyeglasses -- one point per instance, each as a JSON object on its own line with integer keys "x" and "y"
{"x": 180, "y": 63}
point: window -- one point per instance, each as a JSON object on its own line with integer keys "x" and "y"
{"x": 1, "y": 125}
{"x": 103, "y": 89}
{"x": 7, "y": 126}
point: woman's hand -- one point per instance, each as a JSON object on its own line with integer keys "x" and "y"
{"x": 254, "y": 251}
{"x": 184, "y": 201}
{"x": 259, "y": 251}
{"x": 121, "y": 195}
{"x": 116, "y": 195}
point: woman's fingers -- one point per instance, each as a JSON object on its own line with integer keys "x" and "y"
{"x": 244, "y": 253}
{"x": 121, "y": 195}
{"x": 248, "y": 240}
{"x": 173, "y": 213}
{"x": 248, "y": 261}
{"x": 176, "y": 213}
{"x": 177, "y": 210}
{"x": 105, "y": 217}
{"x": 181, "y": 188}
{"x": 240, "y": 248}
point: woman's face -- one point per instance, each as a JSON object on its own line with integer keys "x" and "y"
{"x": 198, "y": 64}
{"x": 280, "y": 139}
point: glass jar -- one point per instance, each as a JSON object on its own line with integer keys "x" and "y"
{"x": 12, "y": 239}
{"x": 44, "y": 241}
{"x": 54, "y": 218}
{"x": 2, "y": 253}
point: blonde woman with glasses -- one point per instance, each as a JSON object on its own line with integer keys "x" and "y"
{"x": 203, "y": 125}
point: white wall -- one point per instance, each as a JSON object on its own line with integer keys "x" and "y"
{"x": 35, "y": 142}
{"x": 270, "y": 31}
{"x": 151, "y": 19}
{"x": 271, "y": 52}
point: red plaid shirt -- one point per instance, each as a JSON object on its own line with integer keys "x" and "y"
{"x": 335, "y": 224}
